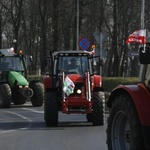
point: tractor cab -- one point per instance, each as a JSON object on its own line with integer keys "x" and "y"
{"x": 10, "y": 61}
{"x": 76, "y": 65}
{"x": 72, "y": 63}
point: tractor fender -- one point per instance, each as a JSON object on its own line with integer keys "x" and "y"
{"x": 97, "y": 83}
{"x": 47, "y": 80}
{"x": 140, "y": 97}
{"x": 15, "y": 78}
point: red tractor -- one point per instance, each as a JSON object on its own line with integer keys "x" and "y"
{"x": 129, "y": 119}
{"x": 73, "y": 90}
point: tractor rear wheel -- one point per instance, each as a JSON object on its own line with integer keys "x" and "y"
{"x": 98, "y": 109}
{"x": 38, "y": 94}
{"x": 5, "y": 96}
{"x": 51, "y": 109}
{"x": 124, "y": 130}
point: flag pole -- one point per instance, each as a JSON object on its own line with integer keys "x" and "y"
{"x": 77, "y": 25}
{"x": 142, "y": 67}
{"x": 142, "y": 14}
{"x": 144, "y": 50}
{"x": 142, "y": 21}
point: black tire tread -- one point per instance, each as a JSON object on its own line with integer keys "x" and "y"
{"x": 51, "y": 109}
{"x": 38, "y": 94}
{"x": 124, "y": 103}
{"x": 98, "y": 109}
{"x": 5, "y": 95}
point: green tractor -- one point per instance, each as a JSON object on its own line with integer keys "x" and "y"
{"x": 14, "y": 87}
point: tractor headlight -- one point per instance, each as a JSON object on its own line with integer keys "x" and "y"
{"x": 79, "y": 91}
{"x": 20, "y": 86}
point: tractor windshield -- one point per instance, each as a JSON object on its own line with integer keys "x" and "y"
{"x": 8, "y": 63}
{"x": 73, "y": 64}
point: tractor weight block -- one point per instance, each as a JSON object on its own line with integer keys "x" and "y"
{"x": 27, "y": 92}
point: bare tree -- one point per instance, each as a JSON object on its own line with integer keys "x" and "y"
{"x": 40, "y": 26}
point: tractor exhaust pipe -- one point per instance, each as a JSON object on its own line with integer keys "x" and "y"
{"x": 27, "y": 92}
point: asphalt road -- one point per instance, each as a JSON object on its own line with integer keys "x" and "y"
{"x": 23, "y": 128}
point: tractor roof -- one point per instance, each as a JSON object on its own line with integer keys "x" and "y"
{"x": 7, "y": 52}
{"x": 72, "y": 52}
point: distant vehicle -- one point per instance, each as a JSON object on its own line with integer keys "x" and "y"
{"x": 73, "y": 90}
{"x": 129, "y": 119}
{"x": 14, "y": 87}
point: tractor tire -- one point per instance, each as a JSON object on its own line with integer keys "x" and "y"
{"x": 38, "y": 94}
{"x": 51, "y": 109}
{"x": 5, "y": 96}
{"x": 124, "y": 131}
{"x": 89, "y": 117}
{"x": 18, "y": 99}
{"x": 98, "y": 109}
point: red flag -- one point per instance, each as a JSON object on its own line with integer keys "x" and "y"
{"x": 138, "y": 36}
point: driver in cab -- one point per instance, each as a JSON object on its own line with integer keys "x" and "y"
{"x": 72, "y": 67}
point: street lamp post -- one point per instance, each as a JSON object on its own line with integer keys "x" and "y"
{"x": 142, "y": 14}
{"x": 77, "y": 24}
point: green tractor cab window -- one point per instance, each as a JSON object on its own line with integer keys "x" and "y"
{"x": 8, "y": 63}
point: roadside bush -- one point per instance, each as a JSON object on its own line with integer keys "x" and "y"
{"x": 109, "y": 83}
{"x": 34, "y": 77}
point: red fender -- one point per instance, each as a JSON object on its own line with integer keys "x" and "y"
{"x": 97, "y": 80}
{"x": 47, "y": 80}
{"x": 141, "y": 98}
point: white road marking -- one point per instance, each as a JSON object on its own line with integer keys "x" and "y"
{"x": 21, "y": 116}
{"x": 35, "y": 111}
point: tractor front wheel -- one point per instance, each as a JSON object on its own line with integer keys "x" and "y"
{"x": 98, "y": 109}
{"x": 5, "y": 96}
{"x": 51, "y": 109}
{"x": 38, "y": 94}
{"x": 124, "y": 130}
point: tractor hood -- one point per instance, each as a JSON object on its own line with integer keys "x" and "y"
{"x": 16, "y": 78}
{"x": 76, "y": 78}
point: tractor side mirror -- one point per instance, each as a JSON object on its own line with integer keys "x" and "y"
{"x": 144, "y": 55}
{"x": 99, "y": 60}
{"x": 28, "y": 60}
